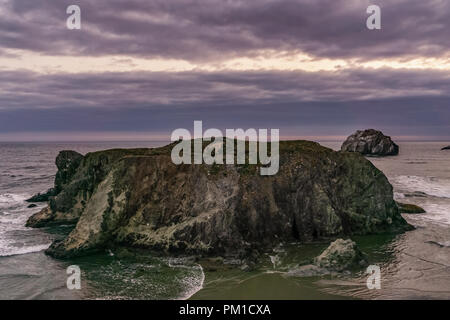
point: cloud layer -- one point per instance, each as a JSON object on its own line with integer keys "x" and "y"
{"x": 229, "y": 63}
{"x": 404, "y": 102}
{"x": 215, "y": 29}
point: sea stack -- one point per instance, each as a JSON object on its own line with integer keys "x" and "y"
{"x": 371, "y": 143}
{"x": 139, "y": 198}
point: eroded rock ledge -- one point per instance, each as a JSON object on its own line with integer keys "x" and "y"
{"x": 139, "y": 198}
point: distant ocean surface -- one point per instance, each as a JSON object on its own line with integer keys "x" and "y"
{"x": 420, "y": 175}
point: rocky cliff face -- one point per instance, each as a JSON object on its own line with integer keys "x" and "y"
{"x": 140, "y": 198}
{"x": 370, "y": 142}
{"x": 67, "y": 163}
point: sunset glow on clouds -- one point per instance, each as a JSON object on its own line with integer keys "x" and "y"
{"x": 261, "y": 61}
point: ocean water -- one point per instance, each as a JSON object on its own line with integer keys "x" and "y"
{"x": 414, "y": 265}
{"x": 27, "y": 273}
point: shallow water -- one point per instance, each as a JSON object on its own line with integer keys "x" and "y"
{"x": 414, "y": 265}
{"x": 27, "y": 273}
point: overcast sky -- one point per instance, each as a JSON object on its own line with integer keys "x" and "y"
{"x": 141, "y": 68}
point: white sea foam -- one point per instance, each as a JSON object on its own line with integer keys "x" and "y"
{"x": 193, "y": 284}
{"x": 399, "y": 195}
{"x": 437, "y": 212}
{"x": 6, "y": 249}
{"x": 8, "y": 200}
{"x": 445, "y": 244}
{"x": 431, "y": 186}
{"x": 432, "y": 194}
{"x": 13, "y": 216}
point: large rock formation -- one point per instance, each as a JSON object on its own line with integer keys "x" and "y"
{"x": 140, "y": 198}
{"x": 370, "y": 142}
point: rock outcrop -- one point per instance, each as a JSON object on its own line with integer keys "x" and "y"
{"x": 42, "y": 197}
{"x": 370, "y": 142}
{"x": 67, "y": 163}
{"x": 75, "y": 181}
{"x": 341, "y": 255}
{"x": 446, "y": 148}
{"x": 409, "y": 208}
{"x": 139, "y": 198}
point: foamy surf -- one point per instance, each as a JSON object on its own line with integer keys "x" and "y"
{"x": 430, "y": 193}
{"x": 429, "y": 185}
{"x": 13, "y": 216}
{"x": 6, "y": 250}
{"x": 8, "y": 200}
{"x": 437, "y": 212}
{"x": 193, "y": 284}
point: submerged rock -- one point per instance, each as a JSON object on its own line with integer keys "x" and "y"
{"x": 409, "y": 208}
{"x": 370, "y": 142}
{"x": 139, "y": 198}
{"x": 341, "y": 255}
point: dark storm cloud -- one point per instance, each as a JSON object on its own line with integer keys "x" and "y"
{"x": 23, "y": 89}
{"x": 405, "y": 101}
{"x": 214, "y": 29}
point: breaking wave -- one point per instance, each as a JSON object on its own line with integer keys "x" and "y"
{"x": 9, "y": 200}
{"x": 429, "y": 185}
{"x": 6, "y": 249}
